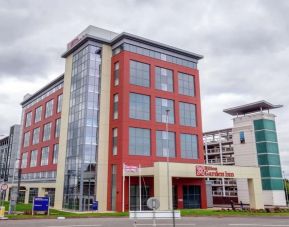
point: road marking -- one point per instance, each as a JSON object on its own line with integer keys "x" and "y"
{"x": 244, "y": 224}
{"x": 166, "y": 224}
{"x": 265, "y": 225}
{"x": 73, "y": 225}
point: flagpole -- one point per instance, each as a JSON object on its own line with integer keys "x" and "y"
{"x": 129, "y": 193}
{"x": 139, "y": 179}
{"x": 123, "y": 179}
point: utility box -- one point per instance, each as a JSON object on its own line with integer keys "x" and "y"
{"x": 209, "y": 194}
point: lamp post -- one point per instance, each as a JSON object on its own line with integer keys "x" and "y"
{"x": 12, "y": 182}
{"x": 168, "y": 157}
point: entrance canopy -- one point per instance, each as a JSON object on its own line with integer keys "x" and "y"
{"x": 186, "y": 170}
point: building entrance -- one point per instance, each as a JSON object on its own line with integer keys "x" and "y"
{"x": 192, "y": 196}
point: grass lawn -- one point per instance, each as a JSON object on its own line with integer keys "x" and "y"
{"x": 186, "y": 212}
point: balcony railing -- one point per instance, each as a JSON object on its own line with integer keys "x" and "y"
{"x": 227, "y": 193}
{"x": 218, "y": 161}
{"x": 226, "y": 182}
{"x": 217, "y": 150}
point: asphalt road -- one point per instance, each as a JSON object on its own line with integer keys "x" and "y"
{"x": 125, "y": 222}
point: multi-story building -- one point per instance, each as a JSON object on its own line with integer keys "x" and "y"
{"x": 118, "y": 92}
{"x": 256, "y": 144}
{"x": 4, "y": 154}
{"x": 40, "y": 141}
{"x": 9, "y": 149}
{"x": 219, "y": 150}
{"x": 251, "y": 142}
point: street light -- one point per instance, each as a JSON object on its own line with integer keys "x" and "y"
{"x": 168, "y": 169}
{"x": 13, "y": 176}
{"x": 168, "y": 157}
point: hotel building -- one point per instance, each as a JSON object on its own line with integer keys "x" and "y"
{"x": 110, "y": 108}
{"x": 122, "y": 100}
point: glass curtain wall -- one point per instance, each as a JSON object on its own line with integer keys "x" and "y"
{"x": 82, "y": 141}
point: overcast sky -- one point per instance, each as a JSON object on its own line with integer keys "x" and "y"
{"x": 245, "y": 46}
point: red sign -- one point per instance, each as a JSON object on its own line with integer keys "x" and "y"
{"x": 209, "y": 171}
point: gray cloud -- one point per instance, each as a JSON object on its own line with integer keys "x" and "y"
{"x": 245, "y": 44}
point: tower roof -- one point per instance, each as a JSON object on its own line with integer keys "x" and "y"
{"x": 251, "y": 108}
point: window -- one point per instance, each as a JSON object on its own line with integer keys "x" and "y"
{"x": 59, "y": 103}
{"x": 28, "y": 119}
{"x": 139, "y": 74}
{"x": 57, "y": 127}
{"x": 49, "y": 109}
{"x": 164, "y": 79}
{"x": 162, "y": 105}
{"x": 35, "y": 139}
{"x": 38, "y": 113}
{"x": 26, "y": 139}
{"x": 187, "y": 114}
{"x": 47, "y": 132}
{"x": 186, "y": 84}
{"x": 44, "y": 156}
{"x": 189, "y": 146}
{"x": 116, "y": 74}
{"x": 139, "y": 141}
{"x": 33, "y": 192}
{"x": 24, "y": 160}
{"x": 139, "y": 106}
{"x": 114, "y": 141}
{"x": 55, "y": 153}
{"x": 242, "y": 137}
{"x": 115, "y": 106}
{"x": 162, "y": 144}
{"x": 33, "y": 158}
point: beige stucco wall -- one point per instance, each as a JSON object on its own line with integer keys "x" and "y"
{"x": 63, "y": 134}
{"x": 159, "y": 172}
{"x": 40, "y": 185}
{"x": 103, "y": 142}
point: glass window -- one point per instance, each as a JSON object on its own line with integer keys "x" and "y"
{"x": 35, "y": 139}
{"x": 46, "y": 132}
{"x": 139, "y": 74}
{"x": 139, "y": 141}
{"x": 24, "y": 160}
{"x": 55, "y": 153}
{"x": 114, "y": 141}
{"x": 189, "y": 146}
{"x": 44, "y": 156}
{"x": 28, "y": 119}
{"x": 49, "y": 109}
{"x": 115, "y": 106}
{"x": 59, "y": 103}
{"x": 38, "y": 113}
{"x": 186, "y": 84}
{"x": 139, "y": 106}
{"x": 57, "y": 127}
{"x": 164, "y": 79}
{"x": 26, "y": 139}
{"x": 187, "y": 114}
{"x": 242, "y": 137}
{"x": 116, "y": 74}
{"x": 163, "y": 140}
{"x": 33, "y": 158}
{"x": 33, "y": 192}
{"x": 162, "y": 105}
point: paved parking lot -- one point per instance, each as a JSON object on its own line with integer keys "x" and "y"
{"x": 125, "y": 222}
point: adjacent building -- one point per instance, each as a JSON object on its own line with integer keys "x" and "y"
{"x": 9, "y": 150}
{"x": 251, "y": 142}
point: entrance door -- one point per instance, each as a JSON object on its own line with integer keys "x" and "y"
{"x": 134, "y": 197}
{"x": 192, "y": 196}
